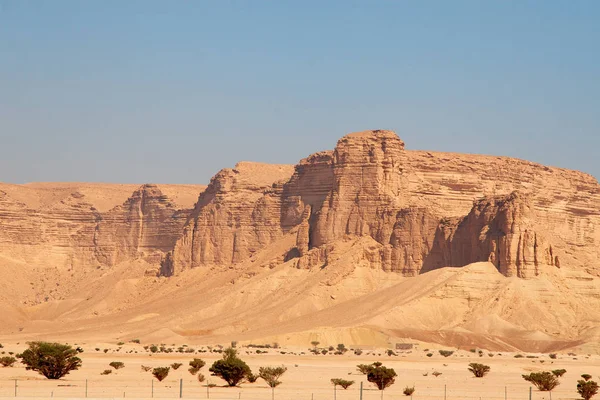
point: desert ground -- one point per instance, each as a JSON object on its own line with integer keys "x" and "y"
{"x": 307, "y": 377}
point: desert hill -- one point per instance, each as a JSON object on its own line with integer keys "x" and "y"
{"x": 366, "y": 244}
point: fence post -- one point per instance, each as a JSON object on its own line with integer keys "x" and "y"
{"x": 207, "y": 387}
{"x": 86, "y": 388}
{"x": 505, "y": 396}
{"x": 529, "y": 392}
{"x": 334, "y": 392}
{"x": 152, "y": 387}
{"x": 444, "y": 392}
{"x": 16, "y": 388}
{"x": 361, "y": 385}
{"x": 180, "y": 388}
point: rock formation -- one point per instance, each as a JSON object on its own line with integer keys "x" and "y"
{"x": 426, "y": 210}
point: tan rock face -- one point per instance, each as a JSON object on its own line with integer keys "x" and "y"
{"x": 69, "y": 232}
{"x": 423, "y": 210}
{"x": 426, "y": 210}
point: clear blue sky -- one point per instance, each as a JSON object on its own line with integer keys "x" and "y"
{"x": 173, "y": 91}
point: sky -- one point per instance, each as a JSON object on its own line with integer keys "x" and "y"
{"x": 172, "y": 91}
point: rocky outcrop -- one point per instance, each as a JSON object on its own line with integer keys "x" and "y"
{"x": 70, "y": 233}
{"x": 501, "y": 230}
{"x": 419, "y": 207}
{"x": 424, "y": 210}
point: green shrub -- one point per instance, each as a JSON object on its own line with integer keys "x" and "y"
{"x": 479, "y": 370}
{"x": 117, "y": 364}
{"x": 446, "y": 353}
{"x": 559, "y": 372}
{"x": 135, "y": 341}
{"x": 176, "y": 366}
{"x": 200, "y": 378}
{"x": 587, "y": 389}
{"x": 379, "y": 375}
{"x": 552, "y": 356}
{"x": 587, "y": 377}
{"x": 196, "y": 365}
{"x": 53, "y": 360}
{"x": 145, "y": 368}
{"x": 342, "y": 382}
{"x": 161, "y": 373}
{"x": 436, "y": 373}
{"x": 271, "y": 375}
{"x": 408, "y": 391}
{"x": 252, "y": 377}
{"x": 106, "y": 372}
{"x": 544, "y": 381}
{"x": 153, "y": 348}
{"x": 7, "y": 361}
{"x": 429, "y": 354}
{"x": 230, "y": 368}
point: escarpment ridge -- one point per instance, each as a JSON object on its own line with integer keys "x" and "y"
{"x": 425, "y": 210}
{"x": 356, "y": 239}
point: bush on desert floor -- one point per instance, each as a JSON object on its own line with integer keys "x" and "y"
{"x": 479, "y": 370}
{"x": 544, "y": 381}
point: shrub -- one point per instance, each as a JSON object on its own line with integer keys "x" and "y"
{"x": 358, "y": 352}
{"x": 271, "y": 375}
{"x": 559, "y": 372}
{"x": 390, "y": 353}
{"x": 479, "y": 370}
{"x": 379, "y": 375}
{"x": 587, "y": 377}
{"x": 7, "y": 361}
{"x": 408, "y": 391}
{"x": 145, "y": 368}
{"x": 587, "y": 389}
{"x": 436, "y": 373}
{"x": 230, "y": 368}
{"x": 544, "y": 381}
{"x": 324, "y": 351}
{"x": 161, "y": 373}
{"x": 53, "y": 360}
{"x": 120, "y": 343}
{"x": 446, "y": 353}
{"x": 552, "y": 356}
{"x": 153, "y": 348}
{"x": 105, "y": 351}
{"x": 200, "y": 378}
{"x": 518, "y": 355}
{"x": 195, "y": 365}
{"x": 252, "y": 378}
{"x": 342, "y": 382}
{"x": 429, "y": 354}
{"x": 315, "y": 343}
{"x": 135, "y": 341}
{"x": 117, "y": 364}
{"x": 341, "y": 348}
{"x": 106, "y": 372}
{"x": 176, "y": 366}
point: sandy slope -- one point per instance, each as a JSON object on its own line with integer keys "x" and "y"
{"x": 344, "y": 302}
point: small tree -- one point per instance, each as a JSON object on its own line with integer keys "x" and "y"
{"x": 161, "y": 373}
{"x": 117, "y": 364}
{"x": 7, "y": 361}
{"x": 479, "y": 370}
{"x": 587, "y": 389}
{"x": 342, "y": 382}
{"x": 176, "y": 366}
{"x": 408, "y": 391}
{"x": 252, "y": 378}
{"x": 543, "y": 381}
{"x": 559, "y": 372}
{"x": 230, "y": 368}
{"x": 446, "y": 353}
{"x": 53, "y": 360}
{"x": 379, "y": 375}
{"x": 315, "y": 343}
{"x": 271, "y": 375}
{"x": 341, "y": 348}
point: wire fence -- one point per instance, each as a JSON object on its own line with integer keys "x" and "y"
{"x": 190, "y": 389}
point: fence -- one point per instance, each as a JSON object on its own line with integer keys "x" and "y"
{"x": 192, "y": 389}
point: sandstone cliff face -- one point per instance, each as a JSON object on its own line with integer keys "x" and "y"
{"x": 70, "y": 233}
{"x": 425, "y": 210}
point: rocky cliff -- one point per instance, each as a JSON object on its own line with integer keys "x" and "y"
{"x": 426, "y": 210}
